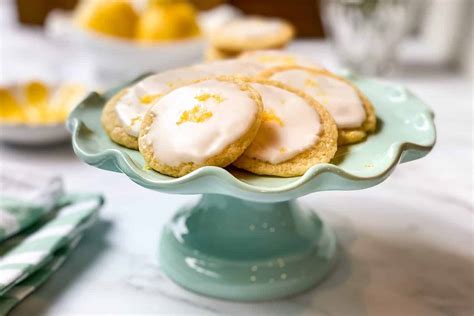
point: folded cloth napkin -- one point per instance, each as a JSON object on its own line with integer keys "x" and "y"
{"x": 39, "y": 226}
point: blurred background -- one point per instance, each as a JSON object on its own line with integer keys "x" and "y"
{"x": 61, "y": 49}
{"x": 94, "y": 44}
{"x": 427, "y": 35}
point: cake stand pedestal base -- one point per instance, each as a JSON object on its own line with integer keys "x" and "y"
{"x": 247, "y": 251}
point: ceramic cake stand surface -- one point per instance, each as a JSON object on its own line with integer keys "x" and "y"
{"x": 247, "y": 239}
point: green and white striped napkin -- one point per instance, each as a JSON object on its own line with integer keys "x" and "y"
{"x": 39, "y": 226}
{"x": 25, "y": 197}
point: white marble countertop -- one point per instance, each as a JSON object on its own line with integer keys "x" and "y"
{"x": 407, "y": 244}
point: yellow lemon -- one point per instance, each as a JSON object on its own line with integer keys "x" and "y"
{"x": 185, "y": 19}
{"x": 152, "y": 3}
{"x": 167, "y": 22}
{"x": 116, "y": 18}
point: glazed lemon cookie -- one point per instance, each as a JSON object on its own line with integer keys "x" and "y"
{"x": 123, "y": 114}
{"x": 252, "y": 33}
{"x": 230, "y": 67}
{"x": 352, "y": 111}
{"x": 213, "y": 54}
{"x": 270, "y": 58}
{"x": 207, "y": 123}
{"x": 296, "y": 133}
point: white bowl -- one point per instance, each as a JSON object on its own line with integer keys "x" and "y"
{"x": 131, "y": 59}
{"x": 117, "y": 59}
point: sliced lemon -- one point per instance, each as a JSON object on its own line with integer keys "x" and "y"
{"x": 10, "y": 109}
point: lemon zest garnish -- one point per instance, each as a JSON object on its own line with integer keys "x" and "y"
{"x": 282, "y": 150}
{"x": 321, "y": 93}
{"x": 197, "y": 114}
{"x": 206, "y": 96}
{"x": 135, "y": 120}
{"x": 313, "y": 84}
{"x": 149, "y": 98}
{"x": 269, "y": 115}
{"x": 323, "y": 100}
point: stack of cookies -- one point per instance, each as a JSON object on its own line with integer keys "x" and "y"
{"x": 267, "y": 112}
{"x": 248, "y": 34}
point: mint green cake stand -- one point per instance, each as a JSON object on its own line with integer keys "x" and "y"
{"x": 247, "y": 239}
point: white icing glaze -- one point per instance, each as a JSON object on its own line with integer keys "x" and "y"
{"x": 175, "y": 141}
{"x": 272, "y": 58}
{"x": 131, "y": 109}
{"x": 231, "y": 67}
{"x": 295, "y": 129}
{"x": 252, "y": 28}
{"x": 339, "y": 98}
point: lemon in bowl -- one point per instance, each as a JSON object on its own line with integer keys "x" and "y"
{"x": 123, "y": 40}
{"x": 114, "y": 18}
{"x": 167, "y": 21}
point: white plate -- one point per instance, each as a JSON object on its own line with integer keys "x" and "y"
{"x": 33, "y": 135}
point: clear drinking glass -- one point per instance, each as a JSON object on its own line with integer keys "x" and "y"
{"x": 366, "y": 33}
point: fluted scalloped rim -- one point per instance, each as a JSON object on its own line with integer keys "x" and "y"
{"x": 126, "y": 165}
